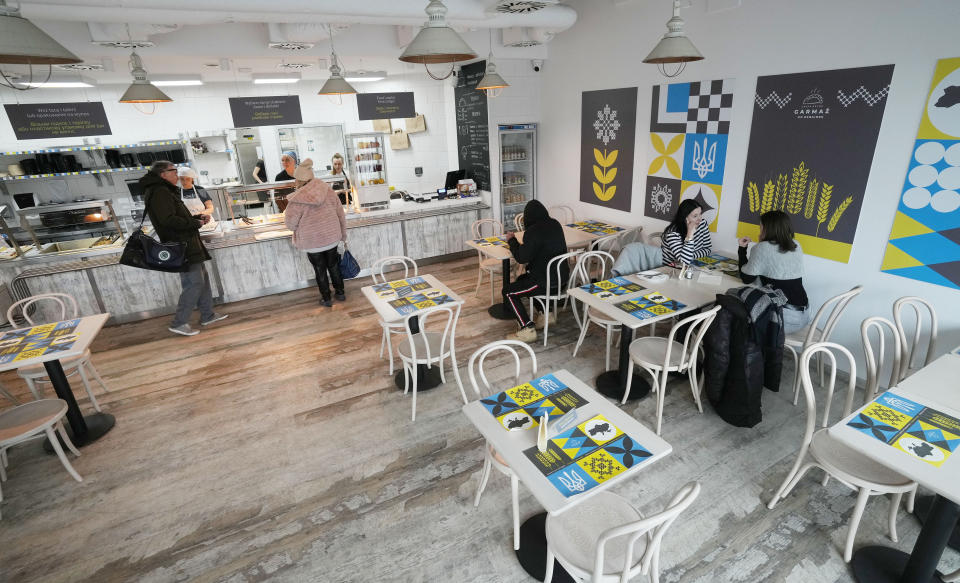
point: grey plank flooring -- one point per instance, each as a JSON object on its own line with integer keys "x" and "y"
{"x": 274, "y": 447}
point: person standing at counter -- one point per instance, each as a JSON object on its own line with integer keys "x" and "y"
{"x": 317, "y": 220}
{"x": 193, "y": 196}
{"x": 174, "y": 223}
{"x": 344, "y": 191}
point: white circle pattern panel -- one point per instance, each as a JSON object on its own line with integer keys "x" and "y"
{"x": 945, "y": 201}
{"x": 949, "y": 178}
{"x": 929, "y": 153}
{"x": 916, "y": 198}
{"x": 952, "y": 155}
{"x": 923, "y": 176}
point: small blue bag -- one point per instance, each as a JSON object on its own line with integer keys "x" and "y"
{"x": 349, "y": 268}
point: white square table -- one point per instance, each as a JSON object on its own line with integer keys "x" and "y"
{"x": 427, "y": 378}
{"x": 512, "y": 444}
{"x": 574, "y": 237}
{"x": 82, "y": 429}
{"x": 879, "y": 564}
{"x": 695, "y": 293}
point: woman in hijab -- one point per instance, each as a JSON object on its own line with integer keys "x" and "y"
{"x": 542, "y": 241}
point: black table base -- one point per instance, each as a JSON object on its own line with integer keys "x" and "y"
{"x": 883, "y": 565}
{"x": 427, "y": 378}
{"x": 613, "y": 382}
{"x": 921, "y": 509}
{"x": 500, "y": 312}
{"x": 97, "y": 424}
{"x": 532, "y": 553}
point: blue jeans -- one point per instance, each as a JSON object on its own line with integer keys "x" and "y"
{"x": 794, "y": 320}
{"x": 195, "y": 293}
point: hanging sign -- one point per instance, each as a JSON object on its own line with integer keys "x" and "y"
{"x": 608, "y": 127}
{"x": 43, "y": 121}
{"x": 265, "y": 111}
{"x": 385, "y": 105}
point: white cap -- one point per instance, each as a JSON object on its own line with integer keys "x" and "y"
{"x": 187, "y": 171}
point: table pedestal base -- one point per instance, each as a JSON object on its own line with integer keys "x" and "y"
{"x": 427, "y": 378}
{"x": 609, "y": 384}
{"x": 98, "y": 425}
{"x": 921, "y": 509}
{"x": 533, "y": 550}
{"x": 500, "y": 312}
{"x": 883, "y": 565}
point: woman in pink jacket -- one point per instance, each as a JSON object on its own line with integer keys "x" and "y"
{"x": 315, "y": 216}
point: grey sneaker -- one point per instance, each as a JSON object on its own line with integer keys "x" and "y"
{"x": 326, "y": 303}
{"x": 340, "y": 297}
{"x": 184, "y": 330}
{"x": 216, "y": 318}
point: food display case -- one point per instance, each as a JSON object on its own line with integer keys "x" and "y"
{"x": 254, "y": 205}
{"x": 518, "y": 148}
{"x": 366, "y": 155}
{"x": 79, "y": 226}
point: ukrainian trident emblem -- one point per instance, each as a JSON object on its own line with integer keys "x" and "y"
{"x": 704, "y": 158}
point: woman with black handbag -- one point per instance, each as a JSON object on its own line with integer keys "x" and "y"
{"x": 174, "y": 223}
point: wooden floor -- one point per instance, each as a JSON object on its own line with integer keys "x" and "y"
{"x": 274, "y": 447}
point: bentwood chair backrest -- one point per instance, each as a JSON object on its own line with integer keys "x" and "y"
{"x": 828, "y": 350}
{"x": 518, "y": 221}
{"x": 828, "y": 315}
{"x": 562, "y": 213}
{"x": 876, "y": 360}
{"x": 607, "y": 243}
{"x": 592, "y": 264}
{"x": 695, "y": 328}
{"x": 56, "y": 305}
{"x": 381, "y": 265}
{"x": 486, "y": 228}
{"x": 477, "y": 359}
{"x": 445, "y": 319}
{"x": 911, "y": 346}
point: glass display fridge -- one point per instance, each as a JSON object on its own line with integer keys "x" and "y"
{"x": 367, "y": 170}
{"x": 518, "y": 163}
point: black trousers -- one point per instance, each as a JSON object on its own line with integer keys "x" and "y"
{"x": 323, "y": 263}
{"x": 515, "y": 291}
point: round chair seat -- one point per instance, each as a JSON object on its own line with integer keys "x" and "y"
{"x": 421, "y": 340}
{"x": 854, "y": 467}
{"x": 573, "y": 534}
{"x": 796, "y": 339}
{"x": 30, "y": 416}
{"x": 602, "y": 321}
{"x": 651, "y": 351}
{"x": 38, "y": 370}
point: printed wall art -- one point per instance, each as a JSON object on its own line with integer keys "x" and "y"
{"x": 811, "y": 149}
{"x": 925, "y": 239}
{"x": 608, "y": 129}
{"x": 687, "y": 149}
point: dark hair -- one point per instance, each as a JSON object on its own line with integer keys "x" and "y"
{"x": 160, "y": 166}
{"x": 777, "y": 229}
{"x": 679, "y": 222}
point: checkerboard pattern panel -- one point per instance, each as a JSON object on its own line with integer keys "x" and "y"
{"x": 709, "y": 107}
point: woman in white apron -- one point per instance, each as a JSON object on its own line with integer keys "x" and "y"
{"x": 195, "y": 197}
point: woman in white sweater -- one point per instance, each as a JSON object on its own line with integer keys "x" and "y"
{"x": 778, "y": 261}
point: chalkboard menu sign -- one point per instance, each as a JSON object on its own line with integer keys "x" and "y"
{"x": 38, "y": 121}
{"x": 473, "y": 131}
{"x": 265, "y": 111}
{"x": 385, "y": 105}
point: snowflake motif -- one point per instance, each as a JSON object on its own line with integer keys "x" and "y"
{"x": 661, "y": 198}
{"x": 607, "y": 125}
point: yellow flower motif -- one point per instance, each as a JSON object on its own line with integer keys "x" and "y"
{"x": 666, "y": 154}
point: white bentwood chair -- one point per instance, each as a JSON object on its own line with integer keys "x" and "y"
{"x": 377, "y": 272}
{"x": 490, "y": 456}
{"x": 428, "y": 348}
{"x": 63, "y": 307}
{"x": 911, "y": 347}
{"x": 31, "y": 420}
{"x": 877, "y": 359}
{"x": 604, "y": 539}
{"x": 555, "y": 292}
{"x": 819, "y": 330}
{"x": 562, "y": 213}
{"x": 518, "y": 223}
{"x": 819, "y": 450}
{"x": 591, "y": 262}
{"x": 491, "y": 266}
{"x": 661, "y": 356}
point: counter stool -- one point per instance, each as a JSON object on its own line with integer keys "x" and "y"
{"x": 64, "y": 308}
{"x": 31, "y": 420}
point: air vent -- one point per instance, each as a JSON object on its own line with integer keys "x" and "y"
{"x": 522, "y": 6}
{"x": 291, "y": 46}
{"x": 523, "y": 43}
{"x": 294, "y": 66}
{"x": 80, "y": 67}
{"x": 127, "y": 44}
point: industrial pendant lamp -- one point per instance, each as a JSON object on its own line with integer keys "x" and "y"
{"x": 142, "y": 90}
{"x": 674, "y": 47}
{"x": 336, "y": 84}
{"x": 22, "y": 43}
{"x": 492, "y": 82}
{"x": 437, "y": 43}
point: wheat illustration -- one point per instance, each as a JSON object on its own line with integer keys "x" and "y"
{"x": 798, "y": 186}
{"x": 782, "y": 188}
{"x": 605, "y": 173}
{"x": 766, "y": 203}
{"x": 838, "y": 212}
{"x": 811, "y": 199}
{"x": 824, "y": 207}
{"x": 753, "y": 197}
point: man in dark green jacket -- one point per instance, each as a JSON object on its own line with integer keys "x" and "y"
{"x": 174, "y": 224}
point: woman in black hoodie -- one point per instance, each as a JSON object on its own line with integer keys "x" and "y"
{"x": 542, "y": 241}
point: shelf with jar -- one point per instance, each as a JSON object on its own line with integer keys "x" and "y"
{"x": 88, "y": 160}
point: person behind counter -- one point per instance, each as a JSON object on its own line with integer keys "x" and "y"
{"x": 193, "y": 196}
{"x": 260, "y": 172}
{"x": 174, "y": 223}
{"x": 317, "y": 220}
{"x": 344, "y": 191}
{"x": 289, "y": 163}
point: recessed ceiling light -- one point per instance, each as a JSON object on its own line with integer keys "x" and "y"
{"x": 176, "y": 80}
{"x": 361, "y": 76}
{"x": 59, "y": 83}
{"x": 262, "y": 79}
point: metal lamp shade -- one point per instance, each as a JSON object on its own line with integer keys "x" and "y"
{"x": 22, "y": 43}
{"x": 673, "y": 49}
{"x": 437, "y": 45}
{"x": 491, "y": 79}
{"x": 336, "y": 85}
{"x": 142, "y": 91}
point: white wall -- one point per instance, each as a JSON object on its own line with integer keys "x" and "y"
{"x": 762, "y": 37}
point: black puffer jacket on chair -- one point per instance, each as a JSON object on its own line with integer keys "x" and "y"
{"x": 742, "y": 356}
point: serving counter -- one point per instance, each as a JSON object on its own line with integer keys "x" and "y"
{"x": 249, "y": 261}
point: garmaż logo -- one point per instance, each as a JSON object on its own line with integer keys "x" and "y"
{"x": 812, "y": 107}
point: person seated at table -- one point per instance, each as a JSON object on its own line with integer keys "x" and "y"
{"x": 687, "y": 237}
{"x": 777, "y": 260}
{"x": 542, "y": 241}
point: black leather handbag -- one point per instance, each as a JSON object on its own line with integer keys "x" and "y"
{"x": 145, "y": 252}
